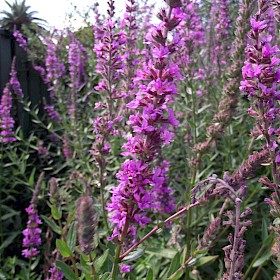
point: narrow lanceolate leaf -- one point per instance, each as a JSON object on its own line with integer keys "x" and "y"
{"x": 262, "y": 259}
{"x": 64, "y": 250}
{"x": 101, "y": 260}
{"x": 134, "y": 255}
{"x": 205, "y": 260}
{"x": 51, "y": 224}
{"x": 56, "y": 212}
{"x": 71, "y": 236}
{"x": 175, "y": 264}
{"x": 150, "y": 275}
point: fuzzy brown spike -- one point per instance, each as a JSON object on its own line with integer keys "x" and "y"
{"x": 87, "y": 222}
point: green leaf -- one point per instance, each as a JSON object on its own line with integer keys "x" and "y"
{"x": 35, "y": 263}
{"x": 165, "y": 253}
{"x": 66, "y": 270}
{"x": 264, "y": 229}
{"x": 101, "y": 260}
{"x": 106, "y": 276}
{"x": 63, "y": 248}
{"x": 177, "y": 275}
{"x": 31, "y": 177}
{"x": 150, "y": 275}
{"x": 134, "y": 255}
{"x": 262, "y": 259}
{"x": 56, "y": 212}
{"x": 51, "y": 224}
{"x": 205, "y": 260}
{"x": 2, "y": 276}
{"x": 71, "y": 236}
{"x": 9, "y": 240}
{"x": 175, "y": 264}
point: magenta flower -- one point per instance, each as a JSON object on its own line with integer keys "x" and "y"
{"x": 143, "y": 182}
{"x": 6, "y": 121}
{"x": 20, "y": 39}
{"x": 258, "y": 26}
{"x": 31, "y": 234}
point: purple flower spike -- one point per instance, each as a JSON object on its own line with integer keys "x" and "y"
{"x": 143, "y": 182}
{"x": 6, "y": 121}
{"x": 31, "y": 234}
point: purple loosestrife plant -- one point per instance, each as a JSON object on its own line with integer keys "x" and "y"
{"x": 32, "y": 239}
{"x": 110, "y": 67}
{"x": 261, "y": 74}
{"x": 76, "y": 59}
{"x": 130, "y": 51}
{"x": 6, "y": 121}
{"x": 14, "y": 82}
{"x": 192, "y": 33}
{"x": 20, "y": 39}
{"x": 55, "y": 274}
{"x": 53, "y": 114}
{"x": 54, "y": 67}
{"x": 222, "y": 28}
{"x": 143, "y": 183}
{"x": 218, "y": 35}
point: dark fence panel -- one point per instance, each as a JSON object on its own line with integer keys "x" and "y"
{"x": 32, "y": 85}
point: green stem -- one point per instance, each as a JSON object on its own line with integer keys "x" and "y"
{"x": 189, "y": 222}
{"x": 257, "y": 273}
{"x": 29, "y": 269}
{"x": 93, "y": 271}
{"x": 115, "y": 269}
{"x": 102, "y": 186}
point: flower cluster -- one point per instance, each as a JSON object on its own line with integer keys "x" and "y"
{"x": 76, "y": 60}
{"x": 192, "y": 33}
{"x": 32, "y": 233}
{"x": 6, "y": 121}
{"x": 42, "y": 150}
{"x": 130, "y": 51}
{"x": 20, "y": 39}
{"x": 110, "y": 66}
{"x": 261, "y": 74}
{"x": 223, "y": 26}
{"x": 55, "y": 274}
{"x": 219, "y": 43}
{"x": 142, "y": 181}
{"x": 54, "y": 67}
{"x": 53, "y": 114}
{"x": 14, "y": 82}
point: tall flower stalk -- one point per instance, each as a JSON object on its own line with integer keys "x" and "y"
{"x": 143, "y": 184}
{"x": 110, "y": 66}
{"x": 32, "y": 239}
{"x": 261, "y": 74}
